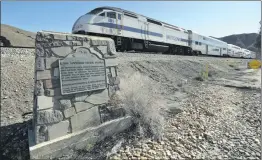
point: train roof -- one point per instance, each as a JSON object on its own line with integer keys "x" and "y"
{"x": 136, "y": 15}
{"x": 214, "y": 39}
{"x": 234, "y": 45}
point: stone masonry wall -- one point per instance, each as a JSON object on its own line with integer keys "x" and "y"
{"x": 55, "y": 114}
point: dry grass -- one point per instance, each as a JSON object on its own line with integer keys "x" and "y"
{"x": 139, "y": 97}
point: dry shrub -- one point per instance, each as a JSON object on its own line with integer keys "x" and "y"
{"x": 139, "y": 97}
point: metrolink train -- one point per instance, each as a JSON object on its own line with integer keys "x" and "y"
{"x": 132, "y": 31}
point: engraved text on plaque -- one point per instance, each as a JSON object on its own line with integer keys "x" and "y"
{"x": 82, "y": 74}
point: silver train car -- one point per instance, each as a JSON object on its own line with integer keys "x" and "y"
{"x": 132, "y": 31}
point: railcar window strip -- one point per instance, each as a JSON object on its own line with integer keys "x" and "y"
{"x": 172, "y": 28}
{"x": 154, "y": 22}
{"x": 129, "y": 15}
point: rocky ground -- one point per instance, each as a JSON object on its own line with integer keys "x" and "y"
{"x": 217, "y": 118}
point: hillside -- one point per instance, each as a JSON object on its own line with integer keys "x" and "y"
{"x": 16, "y": 37}
{"x": 245, "y": 40}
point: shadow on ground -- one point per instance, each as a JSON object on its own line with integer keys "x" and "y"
{"x": 14, "y": 141}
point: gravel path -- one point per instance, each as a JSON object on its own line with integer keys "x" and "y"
{"x": 215, "y": 119}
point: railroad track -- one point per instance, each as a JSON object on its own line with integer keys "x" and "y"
{"x": 130, "y": 52}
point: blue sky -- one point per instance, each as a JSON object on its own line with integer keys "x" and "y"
{"x": 208, "y": 18}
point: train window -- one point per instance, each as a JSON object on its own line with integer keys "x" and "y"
{"x": 102, "y": 14}
{"x": 119, "y": 16}
{"x": 154, "y": 22}
{"x": 172, "y": 28}
{"x": 111, "y": 15}
{"x": 129, "y": 15}
{"x": 95, "y": 11}
{"x": 196, "y": 43}
{"x": 200, "y": 43}
{"x": 224, "y": 49}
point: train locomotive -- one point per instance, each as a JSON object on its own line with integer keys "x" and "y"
{"x": 132, "y": 31}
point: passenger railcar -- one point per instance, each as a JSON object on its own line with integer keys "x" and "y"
{"x": 253, "y": 55}
{"x": 235, "y": 51}
{"x": 207, "y": 45}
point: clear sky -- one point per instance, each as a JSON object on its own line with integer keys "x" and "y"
{"x": 208, "y": 18}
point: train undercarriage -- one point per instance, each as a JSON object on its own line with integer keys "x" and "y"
{"x": 123, "y": 44}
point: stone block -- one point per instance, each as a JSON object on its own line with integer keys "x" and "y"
{"x": 46, "y": 74}
{"x": 111, "y": 62}
{"x": 39, "y": 88}
{"x": 51, "y": 62}
{"x": 49, "y": 116}
{"x": 85, "y": 119}
{"x": 61, "y": 52}
{"x": 44, "y": 102}
{"x": 53, "y": 92}
{"x": 73, "y": 43}
{"x": 98, "y": 97}
{"x": 98, "y": 42}
{"x": 113, "y": 81}
{"x": 51, "y": 83}
{"x": 39, "y": 50}
{"x": 65, "y": 104}
{"x": 117, "y": 81}
{"x": 60, "y": 37}
{"x": 81, "y": 106}
{"x": 80, "y": 97}
{"x": 111, "y": 90}
{"x": 113, "y": 71}
{"x": 86, "y": 44}
{"x": 58, "y": 130}
{"x": 44, "y": 37}
{"x": 108, "y": 71}
{"x": 40, "y": 64}
{"x": 76, "y": 38}
{"x": 41, "y": 134}
{"x": 69, "y": 112}
{"x": 111, "y": 47}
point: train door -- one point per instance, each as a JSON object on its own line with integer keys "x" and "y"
{"x": 206, "y": 49}
{"x": 146, "y": 30}
{"x": 119, "y": 24}
{"x": 220, "y": 51}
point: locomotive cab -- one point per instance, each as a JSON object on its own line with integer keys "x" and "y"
{"x": 98, "y": 22}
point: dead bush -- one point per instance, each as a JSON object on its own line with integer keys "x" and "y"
{"x": 139, "y": 97}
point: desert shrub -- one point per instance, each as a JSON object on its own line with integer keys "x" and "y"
{"x": 203, "y": 74}
{"x": 139, "y": 97}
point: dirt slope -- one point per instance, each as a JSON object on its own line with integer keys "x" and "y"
{"x": 18, "y": 37}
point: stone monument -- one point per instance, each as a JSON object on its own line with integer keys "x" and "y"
{"x": 75, "y": 76}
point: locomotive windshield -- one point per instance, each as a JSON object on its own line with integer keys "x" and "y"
{"x": 95, "y": 11}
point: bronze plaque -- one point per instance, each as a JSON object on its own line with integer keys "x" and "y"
{"x": 80, "y": 74}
